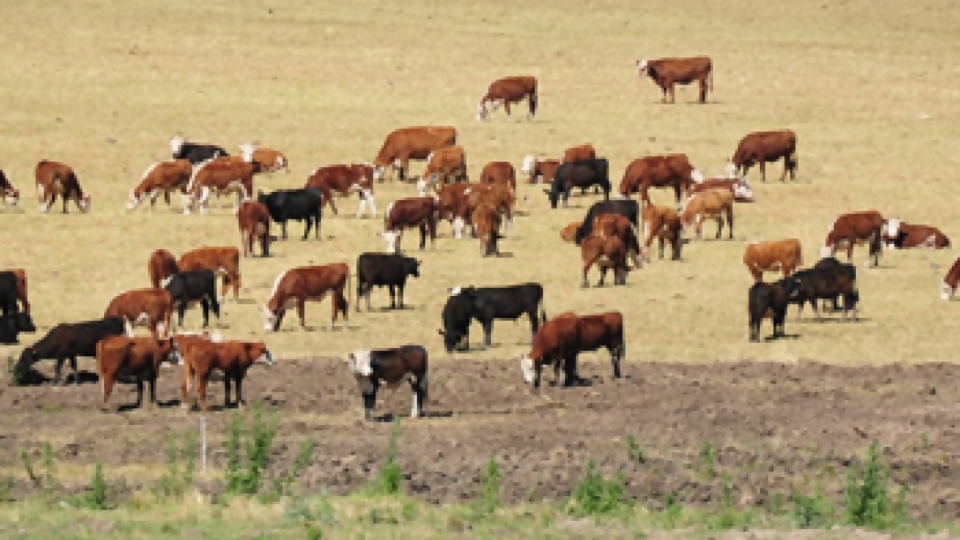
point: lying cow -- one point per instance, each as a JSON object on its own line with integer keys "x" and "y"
{"x": 486, "y": 304}
{"x": 254, "y": 221}
{"x": 506, "y": 91}
{"x": 421, "y": 212}
{"x": 191, "y": 286}
{"x": 784, "y": 255}
{"x": 855, "y": 228}
{"x": 151, "y": 308}
{"x": 137, "y": 356}
{"x": 342, "y": 180}
{"x": 68, "y": 341}
{"x": 295, "y": 286}
{"x": 607, "y": 252}
{"x": 294, "y": 204}
{"x": 666, "y": 171}
{"x": 390, "y": 367}
{"x": 384, "y": 270}
{"x": 233, "y": 358}
{"x": 900, "y": 235}
{"x": 55, "y": 179}
{"x": 582, "y": 174}
{"x": 195, "y": 153}
{"x": 162, "y": 177}
{"x": 769, "y": 300}
{"x": 667, "y": 72}
{"x": 162, "y": 264}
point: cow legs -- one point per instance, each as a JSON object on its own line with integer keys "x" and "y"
{"x": 719, "y": 226}
{"x": 762, "y": 163}
{"x": 306, "y": 230}
{"x": 139, "y": 392}
{"x": 673, "y": 95}
{"x": 487, "y": 332}
{"x": 152, "y": 386}
{"x": 106, "y": 386}
{"x": 283, "y": 229}
{"x": 570, "y": 376}
{"x": 393, "y": 299}
{"x": 202, "y": 380}
{"x": 400, "y": 294}
{"x": 370, "y": 398}
{"x": 423, "y": 236}
{"x": 730, "y": 221}
{"x": 185, "y": 387}
{"x": 76, "y": 373}
{"x": 239, "y": 383}
{"x": 205, "y": 304}
{"x": 703, "y": 90}
{"x": 603, "y": 276}
{"x": 616, "y": 354}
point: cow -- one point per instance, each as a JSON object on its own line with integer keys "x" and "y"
{"x": 950, "y": 281}
{"x": 68, "y": 341}
{"x": 294, "y": 287}
{"x": 295, "y": 204}
{"x": 162, "y": 264}
{"x": 11, "y": 195}
{"x": 233, "y": 358}
{"x": 826, "y": 262}
{"x": 764, "y": 147}
{"x": 486, "y": 223}
{"x": 54, "y": 179}
{"x": 670, "y": 170}
{"x": 499, "y": 172}
{"x": 501, "y": 198}
{"x": 384, "y": 270}
{"x": 254, "y": 220}
{"x": 224, "y": 261}
{"x": 13, "y": 289}
{"x": 826, "y": 283}
{"x": 583, "y": 174}
{"x": 603, "y": 330}
{"x": 151, "y": 308}
{"x": 580, "y": 152}
{"x": 373, "y": 367}
{"x": 12, "y": 325}
{"x": 220, "y": 176}
{"x": 619, "y": 227}
{"x": 667, "y": 72}
{"x": 628, "y": 208}
{"x": 784, "y": 255}
{"x": 607, "y": 252}
{"x": 713, "y": 204}
{"x": 506, "y": 91}
{"x": 900, "y": 235}
{"x": 404, "y": 144}
{"x": 451, "y": 199}
{"x": 137, "y": 356}
{"x": 443, "y": 166}
{"x": 739, "y": 187}
{"x": 195, "y": 153}
{"x": 270, "y": 160}
{"x": 855, "y": 228}
{"x": 769, "y": 300}
{"x": 187, "y": 287}
{"x": 558, "y": 340}
{"x": 161, "y": 178}
{"x": 341, "y": 180}
{"x": 485, "y": 304}
{"x": 569, "y": 233}
{"x": 544, "y": 169}
{"x": 407, "y": 213}
{"x": 662, "y": 222}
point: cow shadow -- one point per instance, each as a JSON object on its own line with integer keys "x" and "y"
{"x": 784, "y": 336}
{"x": 503, "y": 255}
{"x": 833, "y": 320}
{"x": 35, "y": 378}
{"x": 390, "y": 417}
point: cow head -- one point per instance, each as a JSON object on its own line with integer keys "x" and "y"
{"x": 827, "y": 251}
{"x": 411, "y": 266}
{"x": 946, "y": 290}
{"x": 176, "y": 143}
{"x": 529, "y": 165}
{"x": 696, "y": 177}
{"x": 392, "y": 238}
{"x": 260, "y": 354}
{"x": 11, "y": 197}
{"x": 360, "y": 366}
{"x": 731, "y": 169}
{"x": 487, "y": 106}
{"x": 742, "y": 191}
{"x": 83, "y": 203}
{"x": 528, "y": 368}
{"x": 457, "y": 314}
{"x": 27, "y": 359}
{"x": 642, "y": 67}
{"x": 271, "y": 320}
{"x": 247, "y": 150}
{"x": 892, "y": 228}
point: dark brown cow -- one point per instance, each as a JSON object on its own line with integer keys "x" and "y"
{"x": 403, "y": 214}
{"x": 137, "y": 356}
{"x": 620, "y": 227}
{"x": 233, "y": 358}
{"x": 269, "y": 160}
{"x": 855, "y": 228}
{"x": 58, "y": 179}
{"x": 950, "y": 281}
{"x": 404, "y": 144}
{"x": 545, "y": 169}
{"x": 663, "y": 223}
{"x": 670, "y": 170}
{"x": 220, "y": 176}
{"x": 606, "y": 252}
{"x": 223, "y": 261}
{"x": 161, "y": 177}
{"x": 499, "y": 172}
{"x": 11, "y": 195}
{"x": 162, "y": 264}
{"x": 151, "y": 308}
{"x": 603, "y": 330}
{"x": 254, "y": 220}
{"x": 900, "y": 235}
{"x": 486, "y": 222}
{"x": 667, "y": 72}
{"x": 784, "y": 255}
{"x": 764, "y": 147}
{"x": 342, "y": 180}
{"x": 506, "y": 91}
{"x": 296, "y": 286}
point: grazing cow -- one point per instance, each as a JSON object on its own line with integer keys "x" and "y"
{"x": 384, "y": 270}
{"x": 254, "y": 220}
{"x": 269, "y": 160}
{"x": 764, "y": 147}
{"x": 137, "y": 356}
{"x": 151, "y": 308}
{"x": 826, "y": 282}
{"x": 341, "y": 180}
{"x": 499, "y": 172}
{"x": 68, "y": 341}
{"x": 407, "y": 213}
{"x": 544, "y": 169}
{"x": 373, "y": 367}
{"x": 11, "y": 195}
{"x": 628, "y": 208}
{"x": 667, "y": 72}
{"x": 187, "y": 287}
{"x": 404, "y": 144}
{"x": 12, "y": 325}
{"x": 950, "y": 281}
{"x": 739, "y": 187}
{"x": 220, "y": 176}
{"x": 784, "y": 255}
{"x": 485, "y": 304}
{"x": 569, "y": 233}
{"x": 558, "y": 340}
{"x": 162, "y": 264}
{"x": 58, "y": 179}
{"x": 581, "y": 152}
{"x": 224, "y": 261}
{"x": 486, "y": 223}
{"x": 603, "y": 330}
{"x": 606, "y": 252}
{"x": 294, "y": 287}
{"x": 583, "y": 174}
{"x": 769, "y": 300}
{"x": 295, "y": 204}
{"x": 506, "y": 91}
{"x": 620, "y": 227}
{"x": 670, "y": 170}
{"x": 900, "y": 235}
{"x": 712, "y": 204}
{"x": 826, "y": 262}
{"x": 662, "y": 222}
{"x": 233, "y": 358}
{"x": 161, "y": 177}
{"x": 500, "y": 197}
{"x": 12, "y": 290}
{"x": 195, "y": 153}
{"x": 443, "y": 166}
{"x": 855, "y": 228}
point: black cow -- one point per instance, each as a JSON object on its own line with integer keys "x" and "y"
{"x": 384, "y": 269}
{"x": 390, "y": 367}
{"x": 68, "y": 341}
{"x": 12, "y": 325}
{"x": 826, "y": 262}
{"x": 8, "y": 293}
{"x": 582, "y": 174}
{"x": 192, "y": 286}
{"x": 773, "y": 298}
{"x": 624, "y": 207}
{"x": 486, "y": 304}
{"x": 827, "y": 283}
{"x": 193, "y": 152}
{"x": 294, "y": 204}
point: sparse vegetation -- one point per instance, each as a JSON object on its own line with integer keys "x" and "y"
{"x": 595, "y": 495}
{"x": 390, "y": 478}
{"x": 491, "y": 487}
{"x": 245, "y": 473}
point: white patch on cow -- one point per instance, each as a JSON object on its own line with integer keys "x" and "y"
{"x": 889, "y": 245}
{"x": 646, "y": 231}
{"x": 358, "y": 362}
{"x": 11, "y": 199}
{"x": 260, "y": 229}
{"x": 83, "y": 204}
{"x": 696, "y": 176}
{"x": 642, "y": 66}
{"x": 731, "y": 170}
{"x": 458, "y": 226}
{"x": 742, "y": 191}
{"x": 893, "y": 227}
{"x": 128, "y": 328}
{"x": 276, "y": 283}
{"x": 397, "y": 163}
{"x": 176, "y": 143}
{"x": 826, "y": 251}
{"x": 529, "y": 164}
{"x": 368, "y": 197}
{"x": 528, "y": 369}
{"x": 414, "y": 409}
{"x": 946, "y": 291}
{"x": 166, "y": 281}
{"x": 392, "y": 238}
{"x": 142, "y": 320}
{"x": 269, "y": 318}
{"x": 196, "y": 170}
{"x": 265, "y": 358}
{"x": 246, "y": 151}
{"x": 455, "y": 290}
{"x": 481, "y": 110}
{"x": 931, "y": 241}
{"x": 389, "y": 210}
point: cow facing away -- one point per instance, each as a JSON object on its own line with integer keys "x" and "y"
{"x": 67, "y": 341}
{"x": 195, "y": 153}
{"x": 254, "y": 221}
{"x": 161, "y": 265}
{"x": 784, "y": 255}
{"x": 389, "y": 367}
{"x": 762, "y": 147}
{"x": 582, "y": 174}
{"x": 444, "y": 165}
{"x": 668, "y": 72}
{"x": 666, "y": 171}
{"x": 384, "y": 270}
{"x": 233, "y": 358}
{"x": 151, "y": 308}
{"x": 295, "y": 204}
{"x": 55, "y": 179}
{"x": 852, "y": 229}
{"x": 137, "y": 356}
{"x": 294, "y": 287}
{"x": 620, "y": 227}
{"x": 900, "y": 235}
{"x": 13, "y": 289}
{"x": 769, "y": 300}
{"x": 486, "y": 304}
{"x": 188, "y": 287}
{"x": 503, "y": 92}
{"x": 607, "y": 252}
{"x": 662, "y": 223}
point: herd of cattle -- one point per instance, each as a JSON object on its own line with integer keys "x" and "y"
{"x": 614, "y": 233}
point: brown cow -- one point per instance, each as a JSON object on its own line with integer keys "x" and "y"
{"x": 233, "y": 358}
{"x": 254, "y": 220}
{"x": 222, "y": 176}
{"x": 710, "y": 204}
{"x": 764, "y": 147}
{"x": 269, "y": 160}
{"x": 11, "y": 195}
{"x": 662, "y": 222}
{"x": 506, "y": 91}
{"x": 404, "y": 144}
{"x": 499, "y": 197}
{"x": 667, "y": 72}
{"x": 544, "y": 169}
{"x": 606, "y": 252}
{"x": 137, "y": 356}
{"x": 20, "y": 276}
{"x": 161, "y": 177}
{"x": 499, "y": 172}
{"x": 620, "y": 227}
{"x": 855, "y": 228}
{"x": 224, "y": 261}
{"x": 603, "y": 330}
{"x": 569, "y": 233}
{"x": 54, "y": 179}
{"x": 342, "y": 180}
{"x": 556, "y": 341}
{"x": 407, "y": 213}
{"x": 900, "y": 235}
{"x": 151, "y": 308}
{"x": 486, "y": 222}
{"x": 162, "y": 264}
{"x": 295, "y": 286}
{"x": 670, "y": 170}
{"x": 739, "y": 187}
{"x": 580, "y": 152}
{"x": 950, "y": 281}
{"x": 451, "y": 198}
{"x": 784, "y": 255}
{"x": 443, "y": 166}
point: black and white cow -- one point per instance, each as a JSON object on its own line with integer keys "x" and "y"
{"x": 193, "y": 152}
{"x": 68, "y": 341}
{"x": 384, "y": 270}
{"x": 486, "y": 304}
{"x": 191, "y": 286}
{"x": 389, "y": 367}
{"x": 13, "y": 324}
{"x": 294, "y": 204}
{"x": 582, "y": 174}
{"x": 624, "y": 207}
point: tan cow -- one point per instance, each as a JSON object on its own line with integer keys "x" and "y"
{"x": 223, "y": 261}
{"x": 569, "y": 233}
{"x": 341, "y": 181}
{"x": 161, "y": 178}
{"x": 268, "y": 159}
{"x": 55, "y": 179}
{"x": 151, "y": 308}
{"x": 404, "y": 144}
{"x": 233, "y": 358}
{"x": 443, "y": 166}
{"x": 607, "y": 252}
{"x": 486, "y": 222}
{"x": 710, "y": 204}
{"x": 663, "y": 223}
{"x": 667, "y": 72}
{"x": 499, "y": 172}
{"x": 784, "y": 255}
{"x": 254, "y": 220}
{"x": 137, "y": 356}
{"x": 162, "y": 264}
{"x": 506, "y": 91}
{"x": 220, "y": 176}
{"x": 294, "y": 287}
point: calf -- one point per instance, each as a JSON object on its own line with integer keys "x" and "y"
{"x": 12, "y": 325}
{"x": 486, "y": 304}
{"x": 137, "y": 356}
{"x": 294, "y": 287}
{"x": 620, "y": 227}
{"x": 58, "y": 179}
{"x": 628, "y": 208}
{"x": 161, "y": 178}
{"x": 950, "y": 281}
{"x": 606, "y": 252}
{"x": 666, "y": 171}
{"x": 384, "y": 270}
{"x": 826, "y": 283}
{"x": 373, "y": 367}
{"x": 764, "y": 147}
{"x": 342, "y": 180}
{"x": 68, "y": 341}
{"x": 13, "y": 288}
{"x": 544, "y": 169}
{"x": 194, "y": 152}
{"x": 712, "y": 204}
{"x": 662, "y": 222}
{"x": 254, "y": 220}
{"x": 233, "y": 358}
{"x": 443, "y": 166}
{"x": 220, "y": 176}
{"x": 151, "y": 308}
{"x": 558, "y": 340}
{"x": 223, "y": 261}
{"x": 486, "y": 223}
{"x": 667, "y": 72}
{"x": 855, "y": 228}
{"x": 187, "y": 287}
{"x": 162, "y": 264}
{"x": 294, "y": 204}
{"x": 499, "y": 172}
{"x": 769, "y": 299}
{"x": 506, "y": 91}
{"x": 11, "y": 195}
{"x": 583, "y": 174}
{"x": 900, "y": 235}
{"x": 407, "y": 213}
{"x": 784, "y": 255}
{"x": 268, "y": 159}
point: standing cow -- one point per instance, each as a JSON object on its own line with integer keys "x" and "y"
{"x": 485, "y": 304}
{"x": 191, "y": 286}
{"x": 784, "y": 255}
{"x": 138, "y": 356}
{"x": 66, "y": 342}
{"x": 390, "y": 367}
{"x": 667, "y": 72}
{"x": 294, "y": 287}
{"x": 855, "y": 228}
{"x": 762, "y": 147}
{"x": 55, "y": 179}
{"x": 295, "y": 204}
{"x": 404, "y": 144}
{"x": 506, "y": 91}
{"x": 384, "y": 270}
{"x": 195, "y": 153}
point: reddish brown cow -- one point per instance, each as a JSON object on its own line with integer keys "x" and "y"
{"x": 254, "y": 220}
{"x": 569, "y": 233}
{"x": 855, "y": 228}
{"x": 11, "y": 195}
{"x": 151, "y": 308}
{"x": 486, "y": 222}
{"x": 764, "y": 147}
{"x": 499, "y": 172}
{"x": 662, "y": 222}
{"x": 579, "y": 153}
{"x": 20, "y": 275}
{"x": 297, "y": 285}
{"x": 224, "y": 261}
{"x": 451, "y": 198}
{"x": 443, "y": 165}
{"x": 233, "y": 358}
{"x": 544, "y": 169}
{"x": 619, "y": 227}
{"x": 404, "y": 144}
{"x": 268, "y": 159}
{"x": 137, "y": 356}
{"x": 784, "y": 255}
{"x": 670, "y": 170}
{"x": 506, "y": 91}
{"x": 342, "y": 180}
{"x": 162, "y": 264}
{"x": 220, "y": 176}
{"x": 667, "y": 72}
{"x": 403, "y": 214}
{"x": 499, "y": 197}
{"x": 556, "y": 342}
{"x": 58, "y": 179}
{"x": 603, "y": 330}
{"x": 607, "y": 252}
{"x": 900, "y": 235}
{"x": 161, "y": 177}
{"x": 950, "y": 281}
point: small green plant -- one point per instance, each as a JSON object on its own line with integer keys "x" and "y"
{"x": 491, "y": 487}
{"x": 595, "y": 495}
{"x": 6, "y": 488}
{"x": 282, "y": 486}
{"x": 868, "y": 502}
{"x": 635, "y": 451}
{"x": 813, "y": 511}
{"x": 729, "y": 517}
{"x": 313, "y": 532}
{"x": 776, "y": 504}
{"x": 96, "y": 498}
{"x": 708, "y": 458}
{"x": 245, "y": 476}
{"x": 390, "y": 477}
{"x": 28, "y": 466}
{"x": 672, "y": 509}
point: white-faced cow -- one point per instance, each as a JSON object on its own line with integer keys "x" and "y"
{"x": 195, "y": 153}
{"x": 543, "y": 169}
{"x": 294, "y": 287}
{"x": 762, "y": 147}
{"x": 503, "y": 92}
{"x": 407, "y": 213}
{"x": 389, "y": 367}
{"x": 900, "y": 235}
{"x": 55, "y": 179}
{"x": 341, "y": 181}
{"x": 560, "y": 340}
{"x": 404, "y": 144}
{"x": 220, "y": 176}
{"x": 667, "y": 72}
{"x": 444, "y": 165}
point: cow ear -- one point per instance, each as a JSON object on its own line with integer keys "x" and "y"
{"x": 419, "y": 262}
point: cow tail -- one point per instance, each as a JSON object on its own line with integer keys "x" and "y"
{"x": 543, "y": 312}
{"x": 799, "y": 256}
{"x": 533, "y": 100}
